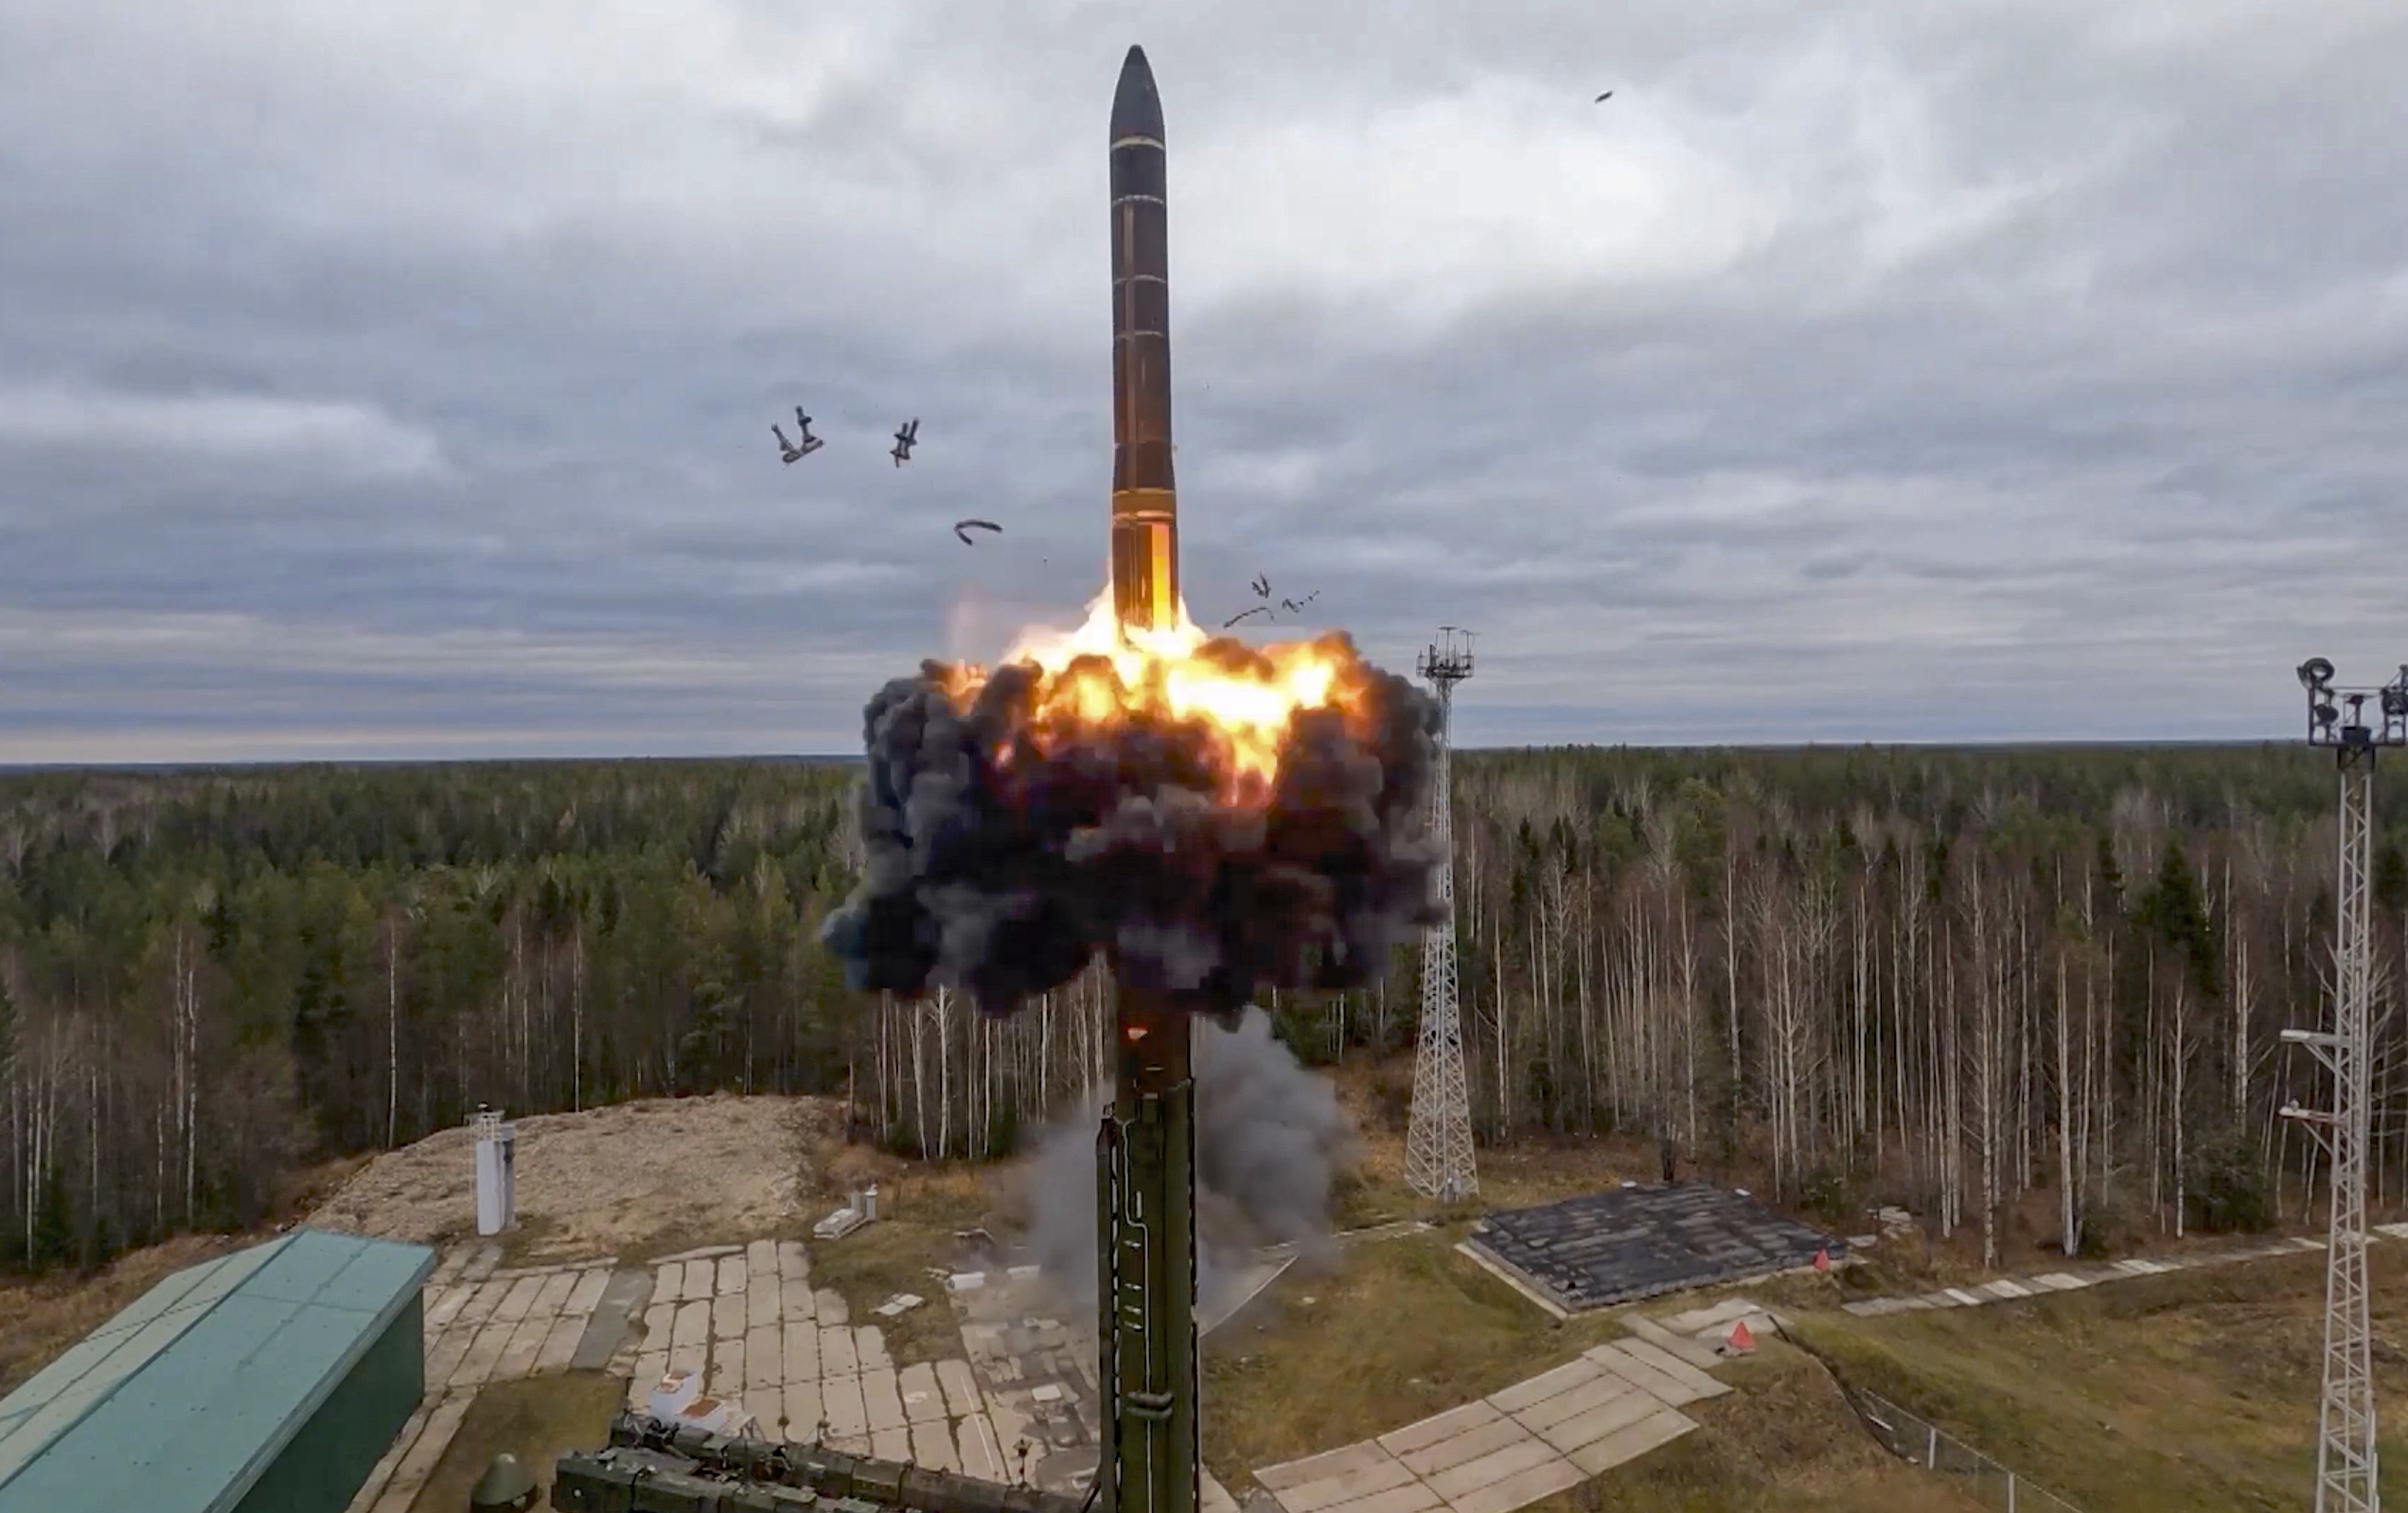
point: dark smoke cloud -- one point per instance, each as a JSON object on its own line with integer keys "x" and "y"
{"x": 1002, "y": 870}
{"x": 1269, "y": 1140}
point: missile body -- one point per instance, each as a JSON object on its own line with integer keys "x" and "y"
{"x": 1145, "y": 589}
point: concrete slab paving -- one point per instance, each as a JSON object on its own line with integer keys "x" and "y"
{"x": 1415, "y": 1497}
{"x": 1315, "y": 1468}
{"x": 520, "y": 1298}
{"x": 1438, "y": 1427}
{"x": 1587, "y": 1429}
{"x": 559, "y": 1344}
{"x": 1329, "y": 1492}
{"x": 1541, "y": 1417}
{"x": 763, "y": 1308}
{"x": 881, "y": 1400}
{"x": 923, "y": 1400}
{"x": 725, "y": 1378}
{"x": 801, "y": 1402}
{"x": 1681, "y": 1347}
{"x": 658, "y": 1317}
{"x": 1518, "y": 1488}
{"x": 981, "y": 1451}
{"x": 1546, "y": 1384}
{"x": 1456, "y": 1482}
{"x": 838, "y": 1356}
{"x": 417, "y": 1464}
{"x": 764, "y": 1358}
{"x": 960, "y": 1386}
{"x": 726, "y": 1316}
{"x": 1623, "y": 1445}
{"x": 1212, "y": 1497}
{"x": 1670, "y": 1365}
{"x": 841, "y": 1403}
{"x": 1670, "y": 1390}
{"x": 869, "y": 1346}
{"x": 1462, "y": 1449}
{"x": 932, "y": 1446}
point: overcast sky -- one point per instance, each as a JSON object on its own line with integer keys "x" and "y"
{"x": 396, "y": 380}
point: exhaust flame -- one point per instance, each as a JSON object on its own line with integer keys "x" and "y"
{"x": 1103, "y": 675}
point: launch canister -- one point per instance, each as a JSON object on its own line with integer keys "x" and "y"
{"x": 1145, "y": 589}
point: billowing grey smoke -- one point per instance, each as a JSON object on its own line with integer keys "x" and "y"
{"x": 1269, "y": 1140}
{"x": 1002, "y": 863}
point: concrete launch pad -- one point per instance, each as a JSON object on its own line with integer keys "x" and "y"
{"x": 1629, "y": 1244}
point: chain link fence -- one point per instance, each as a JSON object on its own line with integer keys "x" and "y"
{"x": 1917, "y": 1439}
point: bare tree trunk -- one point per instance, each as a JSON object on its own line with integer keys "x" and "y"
{"x": 392, "y": 1034}
{"x": 944, "y": 1072}
{"x": 2066, "y": 1207}
{"x": 2182, "y": 1061}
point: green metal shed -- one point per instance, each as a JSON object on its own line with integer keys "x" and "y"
{"x": 269, "y": 1380}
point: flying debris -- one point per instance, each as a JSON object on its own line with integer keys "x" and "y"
{"x": 1259, "y": 609}
{"x": 1296, "y": 606}
{"x": 905, "y": 440}
{"x": 1262, "y": 585}
{"x": 964, "y": 528}
{"x": 793, "y": 452}
{"x": 1602, "y": 98}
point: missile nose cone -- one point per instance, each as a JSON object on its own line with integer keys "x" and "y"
{"x": 1137, "y": 109}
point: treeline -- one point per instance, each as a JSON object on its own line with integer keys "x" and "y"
{"x": 1942, "y": 977}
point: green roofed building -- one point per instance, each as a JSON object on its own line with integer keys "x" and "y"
{"x": 269, "y": 1380}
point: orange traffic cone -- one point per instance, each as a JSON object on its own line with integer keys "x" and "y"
{"x": 1741, "y": 1341}
{"x": 1822, "y": 1260}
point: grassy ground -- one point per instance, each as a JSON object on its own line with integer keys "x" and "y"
{"x": 535, "y": 1420}
{"x": 909, "y": 1249}
{"x": 2194, "y": 1391}
{"x": 1407, "y": 1325}
{"x": 1783, "y": 1441}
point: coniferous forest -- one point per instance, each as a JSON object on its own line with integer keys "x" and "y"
{"x": 1950, "y": 978}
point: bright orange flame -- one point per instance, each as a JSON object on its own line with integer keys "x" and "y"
{"x": 1102, "y": 674}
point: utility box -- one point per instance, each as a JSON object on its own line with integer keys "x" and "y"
{"x": 497, "y": 1146}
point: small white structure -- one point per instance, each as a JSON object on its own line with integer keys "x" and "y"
{"x": 674, "y": 1393}
{"x": 496, "y": 1185}
{"x": 857, "y": 1211}
{"x": 677, "y": 1398}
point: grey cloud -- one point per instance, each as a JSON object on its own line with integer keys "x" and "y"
{"x": 2003, "y": 369}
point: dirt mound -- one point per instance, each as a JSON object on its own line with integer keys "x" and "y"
{"x": 658, "y": 1174}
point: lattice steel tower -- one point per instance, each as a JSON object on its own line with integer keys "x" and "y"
{"x": 1438, "y": 1135}
{"x": 2346, "y": 1471}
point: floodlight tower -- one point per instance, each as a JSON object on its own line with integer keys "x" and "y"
{"x": 1437, "y": 1134}
{"x": 2345, "y": 1475}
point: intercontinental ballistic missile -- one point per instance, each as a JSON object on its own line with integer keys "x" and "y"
{"x": 1145, "y": 588}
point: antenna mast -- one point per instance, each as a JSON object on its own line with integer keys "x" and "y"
{"x": 1438, "y": 1137}
{"x": 2345, "y": 1474}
